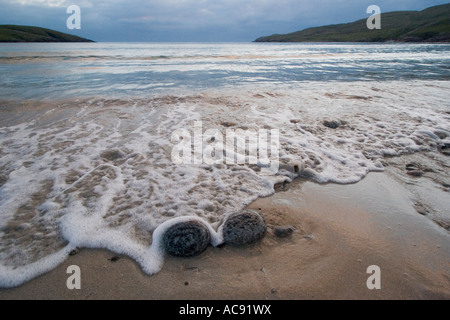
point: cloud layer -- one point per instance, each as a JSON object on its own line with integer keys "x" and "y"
{"x": 193, "y": 20}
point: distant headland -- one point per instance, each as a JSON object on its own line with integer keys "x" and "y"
{"x": 13, "y": 33}
{"x": 429, "y": 25}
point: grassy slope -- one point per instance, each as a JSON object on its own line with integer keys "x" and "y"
{"x": 429, "y": 25}
{"x": 11, "y": 33}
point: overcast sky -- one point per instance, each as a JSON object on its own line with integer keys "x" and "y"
{"x": 193, "y": 20}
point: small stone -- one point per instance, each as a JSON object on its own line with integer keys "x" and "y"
{"x": 283, "y": 231}
{"x": 244, "y": 228}
{"x": 332, "y": 124}
{"x": 186, "y": 239}
{"x": 186, "y": 283}
{"x": 74, "y": 252}
{"x": 295, "y": 121}
{"x": 415, "y": 173}
{"x": 114, "y": 259}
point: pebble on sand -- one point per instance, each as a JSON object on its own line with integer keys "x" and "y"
{"x": 332, "y": 124}
{"x": 283, "y": 231}
{"x": 244, "y": 228}
{"x": 74, "y": 251}
{"x": 186, "y": 239}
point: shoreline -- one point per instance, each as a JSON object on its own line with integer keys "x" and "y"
{"x": 340, "y": 230}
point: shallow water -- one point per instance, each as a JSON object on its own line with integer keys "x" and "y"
{"x": 87, "y": 160}
{"x": 36, "y": 71}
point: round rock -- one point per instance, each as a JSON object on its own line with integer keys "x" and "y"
{"x": 186, "y": 239}
{"x": 244, "y": 228}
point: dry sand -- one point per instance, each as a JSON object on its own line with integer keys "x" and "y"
{"x": 340, "y": 230}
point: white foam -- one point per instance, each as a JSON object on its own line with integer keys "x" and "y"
{"x": 15, "y": 276}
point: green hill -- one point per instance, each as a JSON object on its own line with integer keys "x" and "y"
{"x": 12, "y": 33}
{"x": 429, "y": 25}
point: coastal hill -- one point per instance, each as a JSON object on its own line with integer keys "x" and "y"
{"x": 12, "y": 33}
{"x": 429, "y": 25}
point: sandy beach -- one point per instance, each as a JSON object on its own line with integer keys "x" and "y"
{"x": 340, "y": 230}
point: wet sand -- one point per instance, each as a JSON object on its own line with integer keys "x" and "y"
{"x": 340, "y": 230}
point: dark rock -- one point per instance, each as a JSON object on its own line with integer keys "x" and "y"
{"x": 186, "y": 239}
{"x": 295, "y": 121}
{"x": 415, "y": 173}
{"x": 283, "y": 231}
{"x": 244, "y": 228}
{"x": 74, "y": 252}
{"x": 332, "y": 124}
{"x": 114, "y": 259}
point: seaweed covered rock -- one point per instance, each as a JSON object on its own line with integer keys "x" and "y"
{"x": 244, "y": 228}
{"x": 186, "y": 239}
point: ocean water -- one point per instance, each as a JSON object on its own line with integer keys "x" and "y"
{"x": 87, "y": 134}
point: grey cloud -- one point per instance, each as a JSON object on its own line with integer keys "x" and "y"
{"x": 194, "y": 20}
